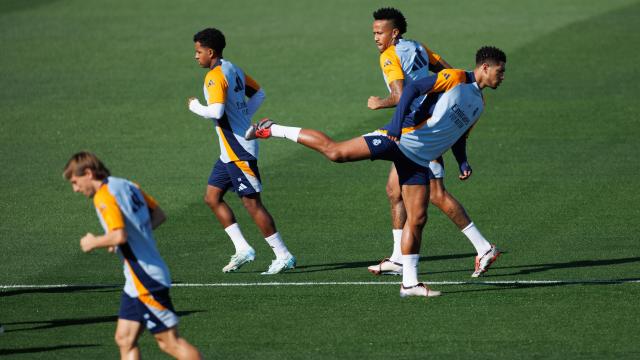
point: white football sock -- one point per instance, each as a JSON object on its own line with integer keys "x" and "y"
{"x": 237, "y": 238}
{"x": 479, "y": 242}
{"x": 396, "y": 256}
{"x": 410, "y": 270}
{"x": 287, "y": 132}
{"x": 278, "y": 246}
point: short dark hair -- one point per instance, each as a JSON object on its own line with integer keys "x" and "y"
{"x": 490, "y": 54}
{"x": 211, "y": 38}
{"x": 394, "y": 15}
{"x": 83, "y": 160}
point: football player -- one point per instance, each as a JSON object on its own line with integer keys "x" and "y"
{"x": 225, "y": 88}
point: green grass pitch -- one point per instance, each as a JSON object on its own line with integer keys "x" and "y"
{"x": 555, "y": 160}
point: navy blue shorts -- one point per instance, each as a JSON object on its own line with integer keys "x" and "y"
{"x": 383, "y": 148}
{"x": 155, "y": 310}
{"x": 243, "y": 177}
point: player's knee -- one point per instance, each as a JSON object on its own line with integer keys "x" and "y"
{"x": 438, "y": 197}
{"x": 334, "y": 155}
{"x": 165, "y": 346}
{"x": 393, "y": 194}
{"x": 251, "y": 206}
{"x": 417, "y": 219}
{"x": 212, "y": 200}
{"x": 124, "y": 340}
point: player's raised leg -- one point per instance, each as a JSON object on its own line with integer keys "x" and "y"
{"x": 171, "y": 343}
{"x": 355, "y": 149}
{"x": 263, "y": 219}
{"x": 416, "y": 202}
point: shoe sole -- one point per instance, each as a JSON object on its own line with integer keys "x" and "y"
{"x": 237, "y": 267}
{"x": 276, "y": 273}
{"x": 430, "y": 294}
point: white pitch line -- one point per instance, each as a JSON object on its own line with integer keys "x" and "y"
{"x": 337, "y": 283}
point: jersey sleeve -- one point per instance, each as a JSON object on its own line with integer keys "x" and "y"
{"x": 433, "y": 57}
{"x": 216, "y": 86}
{"x": 250, "y": 85}
{"x": 109, "y": 210}
{"x": 151, "y": 202}
{"x": 391, "y": 67}
{"x": 447, "y": 79}
{"x": 409, "y": 93}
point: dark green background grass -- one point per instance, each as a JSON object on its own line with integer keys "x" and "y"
{"x": 555, "y": 161}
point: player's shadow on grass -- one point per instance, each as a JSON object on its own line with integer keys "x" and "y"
{"x": 32, "y": 350}
{"x": 58, "y": 290}
{"x": 535, "y": 268}
{"x": 506, "y": 287}
{"x": 57, "y": 323}
{"x": 363, "y": 264}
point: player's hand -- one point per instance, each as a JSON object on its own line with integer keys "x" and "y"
{"x": 374, "y": 103}
{"x": 392, "y": 138}
{"x": 465, "y": 171}
{"x": 189, "y": 100}
{"x": 86, "y": 243}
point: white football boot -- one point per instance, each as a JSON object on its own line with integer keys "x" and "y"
{"x": 418, "y": 290}
{"x": 386, "y": 267}
{"x": 278, "y": 266}
{"x": 484, "y": 262}
{"x": 239, "y": 259}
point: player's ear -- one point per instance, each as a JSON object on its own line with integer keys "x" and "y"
{"x": 394, "y": 33}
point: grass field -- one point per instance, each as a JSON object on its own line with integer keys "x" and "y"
{"x": 555, "y": 160}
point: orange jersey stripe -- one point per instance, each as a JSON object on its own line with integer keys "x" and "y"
{"x": 143, "y": 293}
{"x": 230, "y": 152}
{"x": 244, "y": 166}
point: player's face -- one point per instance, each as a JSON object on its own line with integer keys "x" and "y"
{"x": 384, "y": 34}
{"x": 495, "y": 75}
{"x": 204, "y": 55}
{"x": 83, "y": 184}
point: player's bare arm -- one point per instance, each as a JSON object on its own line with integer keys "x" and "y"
{"x": 392, "y": 100}
{"x": 90, "y": 242}
{"x": 439, "y": 66}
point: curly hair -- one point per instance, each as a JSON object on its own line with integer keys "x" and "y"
{"x": 490, "y": 54}
{"x": 394, "y": 15}
{"x": 211, "y": 38}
